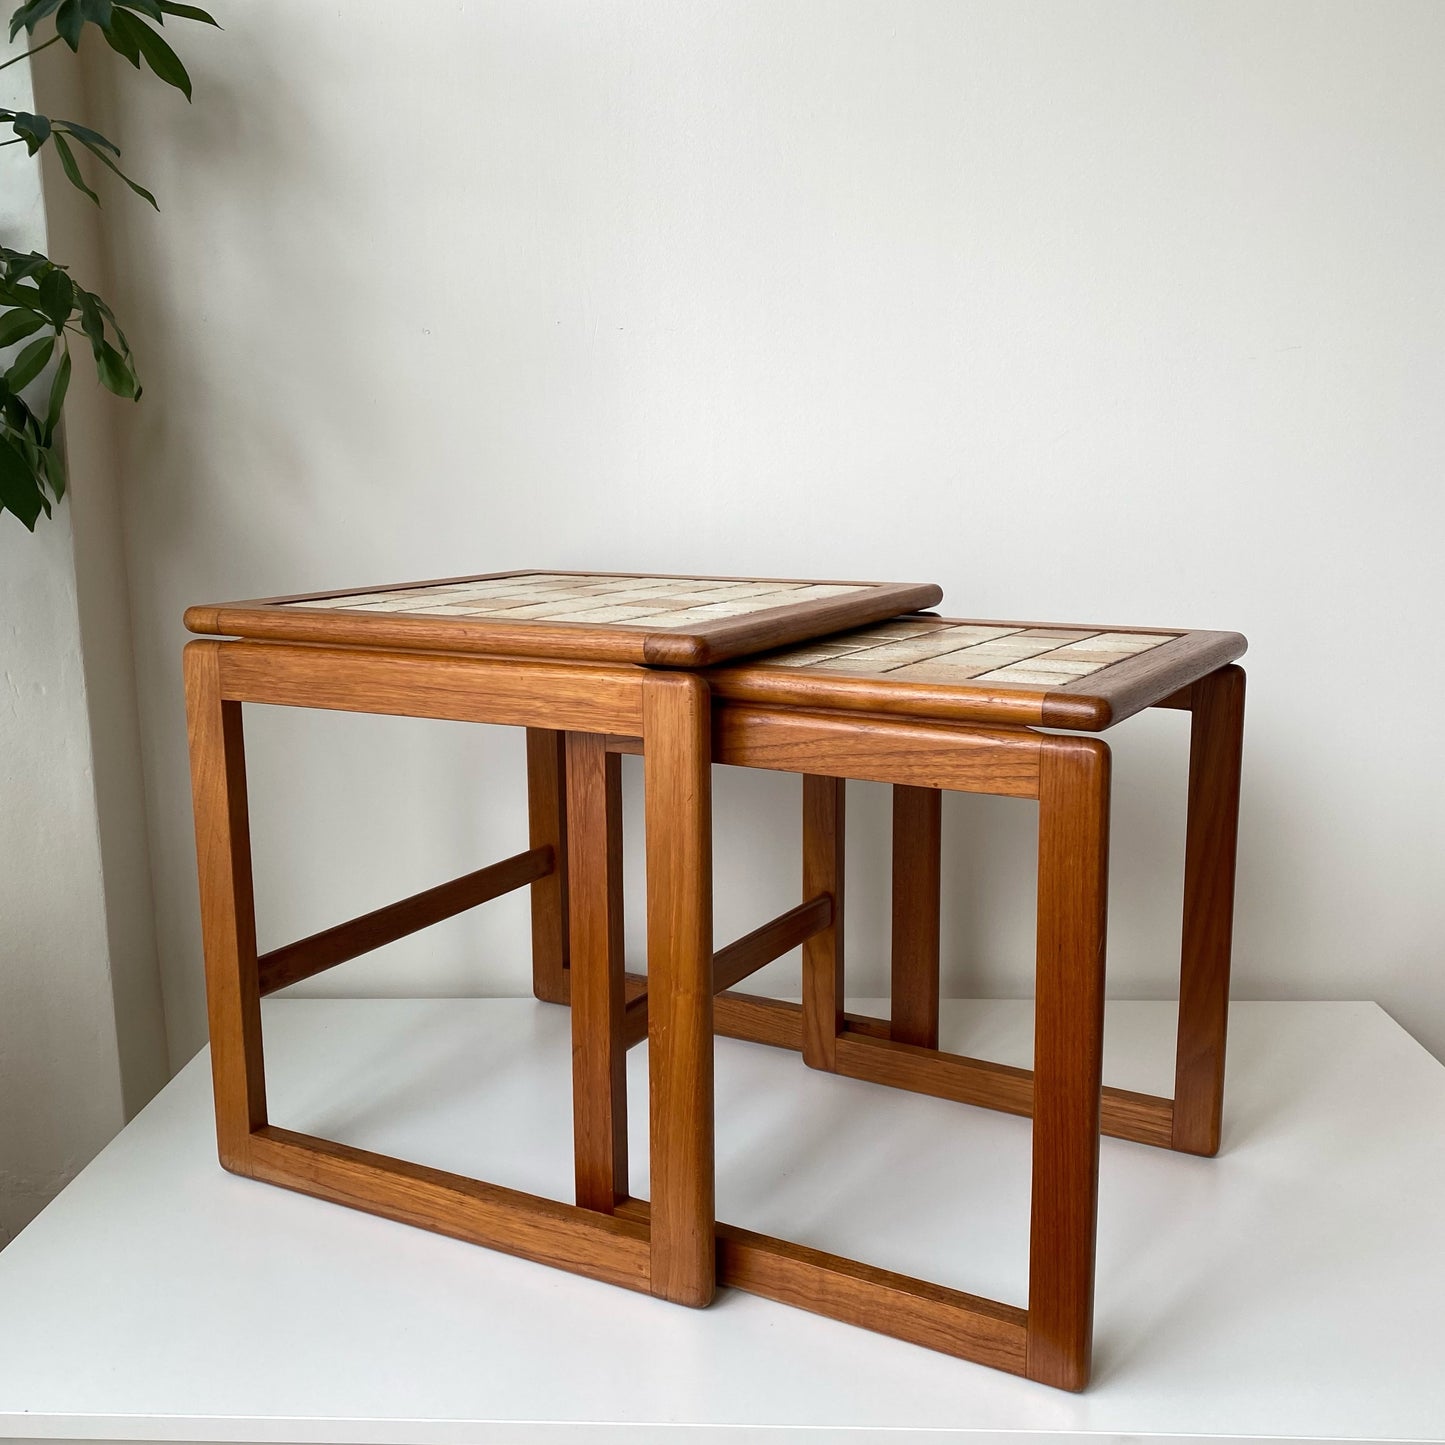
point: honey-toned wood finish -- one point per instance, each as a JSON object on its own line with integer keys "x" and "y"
{"x": 228, "y": 911}
{"x": 599, "y": 1054}
{"x": 678, "y": 812}
{"x": 313, "y": 955}
{"x": 669, "y": 709}
{"x": 926, "y": 755}
{"x": 461, "y": 689}
{"x": 948, "y": 1320}
{"x": 699, "y": 644}
{"x": 562, "y": 1235}
{"x": 1091, "y": 704}
{"x": 738, "y": 960}
{"x": 1068, "y": 1058}
{"x": 547, "y": 828}
{"x": 917, "y": 849}
{"x": 865, "y": 1051}
{"x": 1215, "y": 755}
{"x": 824, "y": 819}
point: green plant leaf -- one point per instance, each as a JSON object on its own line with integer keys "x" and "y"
{"x": 90, "y": 320}
{"x": 27, "y": 17}
{"x": 34, "y": 130}
{"x": 25, "y": 297}
{"x": 121, "y": 37}
{"x": 97, "y": 11}
{"x": 30, "y": 363}
{"x": 69, "y": 22}
{"x": 57, "y": 297}
{"x": 158, "y": 55}
{"x": 188, "y": 12}
{"x": 110, "y": 316}
{"x": 58, "y": 387}
{"x": 72, "y": 171}
{"x": 20, "y": 266}
{"x": 16, "y": 325}
{"x": 146, "y": 7}
{"x": 116, "y": 373}
{"x": 88, "y": 137}
{"x": 19, "y": 487}
{"x": 54, "y": 465}
{"x": 106, "y": 161}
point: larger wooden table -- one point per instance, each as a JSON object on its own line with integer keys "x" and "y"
{"x": 560, "y": 653}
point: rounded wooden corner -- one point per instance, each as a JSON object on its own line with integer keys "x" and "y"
{"x": 681, "y": 651}
{"x": 1081, "y": 714}
{"x": 202, "y": 619}
{"x": 1073, "y": 752}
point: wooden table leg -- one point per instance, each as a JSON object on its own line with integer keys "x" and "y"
{"x": 917, "y": 900}
{"x": 547, "y": 820}
{"x": 228, "y": 911}
{"x": 1068, "y": 1057}
{"x": 599, "y": 1055}
{"x": 823, "y": 861}
{"x": 1216, "y": 745}
{"x": 678, "y": 782}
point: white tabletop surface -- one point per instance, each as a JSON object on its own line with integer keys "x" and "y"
{"x": 1290, "y": 1288}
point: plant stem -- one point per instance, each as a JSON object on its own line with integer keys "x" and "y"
{"x": 15, "y": 60}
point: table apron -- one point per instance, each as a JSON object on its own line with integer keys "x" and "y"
{"x": 572, "y": 697}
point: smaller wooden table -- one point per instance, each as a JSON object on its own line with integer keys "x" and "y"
{"x": 929, "y": 704}
{"x": 558, "y": 653}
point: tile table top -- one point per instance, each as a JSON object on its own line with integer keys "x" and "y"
{"x": 670, "y": 621}
{"x": 1066, "y": 676}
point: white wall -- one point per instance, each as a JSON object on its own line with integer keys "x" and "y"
{"x": 81, "y": 1044}
{"x": 1118, "y": 311}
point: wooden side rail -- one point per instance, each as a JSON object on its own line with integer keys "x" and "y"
{"x": 349, "y": 940}
{"x": 949, "y": 1320}
{"x": 562, "y": 1235}
{"x": 865, "y": 1051}
{"x": 746, "y": 956}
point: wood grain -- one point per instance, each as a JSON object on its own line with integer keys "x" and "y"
{"x": 745, "y": 956}
{"x": 228, "y": 910}
{"x": 599, "y": 1246}
{"x": 1140, "y": 1118}
{"x": 547, "y": 828}
{"x": 929, "y": 755}
{"x": 1215, "y": 756}
{"x": 824, "y": 837}
{"x": 1091, "y": 704}
{"x": 771, "y": 941}
{"x": 698, "y": 644}
{"x": 1143, "y": 681}
{"x": 917, "y": 899}
{"x": 1068, "y": 1058}
{"x": 599, "y": 1055}
{"x": 776, "y": 1022}
{"x": 320, "y": 951}
{"x": 464, "y": 689}
{"x": 966, "y": 1326}
{"x": 959, "y": 1324}
{"x": 678, "y": 810}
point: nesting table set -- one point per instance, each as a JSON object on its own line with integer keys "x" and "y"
{"x": 829, "y": 680}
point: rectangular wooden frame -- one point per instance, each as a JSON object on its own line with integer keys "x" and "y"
{"x": 1050, "y": 1341}
{"x": 672, "y": 1254}
{"x": 699, "y": 645}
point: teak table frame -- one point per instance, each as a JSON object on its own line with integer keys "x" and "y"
{"x": 587, "y": 696}
{"x": 530, "y": 649}
{"x": 1051, "y": 1340}
{"x": 672, "y": 1254}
